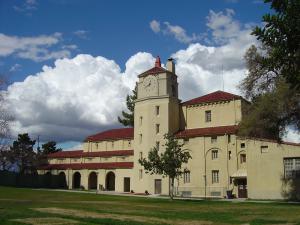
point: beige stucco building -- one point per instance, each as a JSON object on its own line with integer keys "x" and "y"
{"x": 207, "y": 125}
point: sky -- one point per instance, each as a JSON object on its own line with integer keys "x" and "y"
{"x": 70, "y": 64}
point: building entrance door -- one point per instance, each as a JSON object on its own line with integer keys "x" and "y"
{"x": 157, "y": 186}
{"x": 126, "y": 184}
{"x": 242, "y": 188}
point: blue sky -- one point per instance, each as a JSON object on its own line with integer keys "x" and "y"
{"x": 70, "y": 64}
{"x": 114, "y": 29}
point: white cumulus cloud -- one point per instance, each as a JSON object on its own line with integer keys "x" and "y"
{"x": 74, "y": 98}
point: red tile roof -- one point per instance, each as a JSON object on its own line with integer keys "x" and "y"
{"x": 212, "y": 97}
{"x": 78, "y": 166}
{"x": 114, "y": 134}
{"x": 154, "y": 70}
{"x": 207, "y": 131}
{"x": 80, "y": 153}
{"x": 66, "y": 154}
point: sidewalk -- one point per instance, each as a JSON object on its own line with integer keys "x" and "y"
{"x": 236, "y": 200}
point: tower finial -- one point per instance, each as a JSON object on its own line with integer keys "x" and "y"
{"x": 157, "y": 62}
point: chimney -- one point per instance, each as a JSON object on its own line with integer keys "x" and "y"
{"x": 171, "y": 65}
{"x": 157, "y": 62}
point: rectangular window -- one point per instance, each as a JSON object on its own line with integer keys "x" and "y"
{"x": 141, "y": 137}
{"x": 228, "y": 138}
{"x": 208, "y": 116}
{"x": 229, "y": 155}
{"x": 157, "y": 128}
{"x": 264, "y": 149}
{"x": 157, "y": 145}
{"x": 243, "y": 158}
{"x": 213, "y": 139}
{"x": 157, "y": 110}
{"x": 243, "y": 145}
{"x": 140, "y": 174}
{"x": 187, "y": 177}
{"x": 215, "y": 176}
{"x": 185, "y": 141}
{"x": 141, "y": 155}
{"x": 291, "y": 167}
{"x": 141, "y": 120}
{"x": 214, "y": 154}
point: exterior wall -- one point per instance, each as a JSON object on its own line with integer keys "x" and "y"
{"x": 202, "y": 164}
{"x": 222, "y": 114}
{"x": 265, "y": 170}
{"x": 108, "y": 145}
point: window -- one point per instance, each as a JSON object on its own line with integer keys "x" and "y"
{"x": 215, "y": 176}
{"x": 141, "y": 137}
{"x": 186, "y": 177}
{"x": 157, "y": 110}
{"x": 173, "y": 90}
{"x": 291, "y": 167}
{"x": 242, "y": 158}
{"x": 229, "y": 155}
{"x": 228, "y": 138}
{"x": 157, "y": 128}
{"x": 141, "y": 120}
{"x": 213, "y": 139}
{"x": 185, "y": 141}
{"x": 214, "y": 154}
{"x": 140, "y": 174}
{"x": 141, "y": 155}
{"x": 97, "y": 145}
{"x": 264, "y": 149}
{"x": 243, "y": 145}
{"x": 157, "y": 145}
{"x": 207, "y": 116}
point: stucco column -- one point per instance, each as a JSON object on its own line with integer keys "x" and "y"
{"x": 85, "y": 179}
{"x": 69, "y": 176}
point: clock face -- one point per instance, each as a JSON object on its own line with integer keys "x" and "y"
{"x": 149, "y": 83}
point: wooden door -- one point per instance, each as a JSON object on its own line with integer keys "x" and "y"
{"x": 242, "y": 188}
{"x": 157, "y": 186}
{"x": 126, "y": 184}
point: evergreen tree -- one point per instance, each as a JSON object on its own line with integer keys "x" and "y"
{"x": 128, "y": 117}
{"x": 50, "y": 147}
{"x": 167, "y": 162}
{"x": 22, "y": 154}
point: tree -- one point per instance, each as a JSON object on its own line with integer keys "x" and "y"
{"x": 5, "y": 119}
{"x": 280, "y": 34}
{"x": 22, "y": 154}
{"x": 128, "y": 117}
{"x": 273, "y": 81}
{"x": 167, "y": 163}
{"x": 50, "y": 147}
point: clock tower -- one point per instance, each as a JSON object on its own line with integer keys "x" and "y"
{"x": 156, "y": 113}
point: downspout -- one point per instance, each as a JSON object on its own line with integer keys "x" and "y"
{"x": 227, "y": 160}
{"x": 204, "y": 153}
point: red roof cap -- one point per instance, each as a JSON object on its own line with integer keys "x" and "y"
{"x": 114, "y": 134}
{"x": 207, "y": 131}
{"x": 212, "y": 97}
{"x": 78, "y": 154}
{"x": 157, "y": 62}
{"x": 78, "y": 166}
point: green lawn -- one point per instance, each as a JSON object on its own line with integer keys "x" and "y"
{"x": 27, "y": 206}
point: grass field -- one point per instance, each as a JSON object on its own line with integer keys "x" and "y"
{"x": 42, "y": 207}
